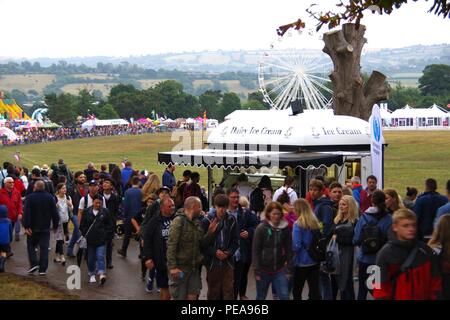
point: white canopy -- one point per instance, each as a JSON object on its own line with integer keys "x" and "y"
{"x": 99, "y": 123}
{"x": 312, "y": 128}
{"x": 432, "y": 112}
{"x": 11, "y": 136}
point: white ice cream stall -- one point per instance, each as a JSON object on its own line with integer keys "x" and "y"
{"x": 314, "y": 142}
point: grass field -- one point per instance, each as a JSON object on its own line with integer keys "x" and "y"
{"x": 25, "y": 82}
{"x": 232, "y": 85}
{"x": 75, "y": 88}
{"x": 148, "y": 83}
{"x": 410, "y": 158}
{"x": 410, "y": 79}
{"x": 15, "y": 287}
{"x": 96, "y": 76}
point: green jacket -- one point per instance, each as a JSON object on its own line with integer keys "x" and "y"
{"x": 183, "y": 246}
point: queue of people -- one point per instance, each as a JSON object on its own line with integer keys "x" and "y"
{"x": 286, "y": 240}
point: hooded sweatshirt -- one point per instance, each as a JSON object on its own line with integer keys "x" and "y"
{"x": 371, "y": 216}
{"x": 325, "y": 211}
{"x": 272, "y": 247}
{"x": 421, "y": 281}
{"x": 6, "y": 230}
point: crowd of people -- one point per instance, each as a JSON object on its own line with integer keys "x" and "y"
{"x": 42, "y": 135}
{"x": 286, "y": 240}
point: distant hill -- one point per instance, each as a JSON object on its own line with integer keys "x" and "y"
{"x": 389, "y": 61}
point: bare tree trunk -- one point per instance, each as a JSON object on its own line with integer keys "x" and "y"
{"x": 351, "y": 96}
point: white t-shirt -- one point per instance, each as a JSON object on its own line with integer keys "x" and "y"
{"x": 107, "y": 196}
{"x": 292, "y": 194}
{"x": 89, "y": 204}
{"x": 63, "y": 209}
{"x": 95, "y": 212}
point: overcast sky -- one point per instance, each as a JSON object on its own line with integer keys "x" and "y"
{"x": 68, "y": 28}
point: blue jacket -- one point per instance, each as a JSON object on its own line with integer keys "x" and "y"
{"x": 168, "y": 180}
{"x": 425, "y": 208}
{"x": 226, "y": 238}
{"x": 301, "y": 239}
{"x": 248, "y": 221}
{"x": 132, "y": 202}
{"x": 357, "y": 194}
{"x": 126, "y": 174}
{"x": 370, "y": 216}
{"x": 445, "y": 209}
{"x": 325, "y": 213}
{"x": 6, "y": 229}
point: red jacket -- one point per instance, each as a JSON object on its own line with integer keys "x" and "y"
{"x": 421, "y": 281}
{"x": 308, "y": 198}
{"x": 13, "y": 203}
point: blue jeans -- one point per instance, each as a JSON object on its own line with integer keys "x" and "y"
{"x": 41, "y": 239}
{"x": 75, "y": 235}
{"x": 17, "y": 227}
{"x": 96, "y": 258}
{"x": 325, "y": 286}
{"x": 278, "y": 280}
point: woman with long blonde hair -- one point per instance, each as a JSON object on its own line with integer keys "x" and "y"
{"x": 440, "y": 243}
{"x": 306, "y": 229}
{"x": 343, "y": 232}
{"x": 393, "y": 200}
{"x": 152, "y": 186}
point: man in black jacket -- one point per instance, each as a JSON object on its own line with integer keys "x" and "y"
{"x": 112, "y": 204}
{"x": 155, "y": 245}
{"x": 95, "y": 225}
{"x": 247, "y": 221}
{"x": 40, "y": 210}
{"x": 219, "y": 251}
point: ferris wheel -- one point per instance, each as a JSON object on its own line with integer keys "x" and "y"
{"x": 288, "y": 75}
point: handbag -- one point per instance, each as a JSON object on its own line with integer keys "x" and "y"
{"x": 82, "y": 241}
{"x": 332, "y": 263}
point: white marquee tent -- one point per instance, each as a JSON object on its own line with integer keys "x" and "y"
{"x": 89, "y": 124}
{"x": 433, "y": 116}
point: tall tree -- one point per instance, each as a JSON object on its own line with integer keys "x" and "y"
{"x": 351, "y": 95}
{"x": 230, "y": 103}
{"x": 61, "y": 108}
{"x": 209, "y": 102}
{"x": 435, "y": 80}
{"x": 354, "y": 10}
{"x": 107, "y": 111}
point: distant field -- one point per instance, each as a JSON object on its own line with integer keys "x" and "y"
{"x": 25, "y": 82}
{"x": 410, "y": 158}
{"x": 96, "y": 76}
{"x": 145, "y": 84}
{"x": 235, "y": 86}
{"x": 74, "y": 88}
{"x": 406, "y": 79}
{"x": 232, "y": 85}
{"x": 197, "y": 83}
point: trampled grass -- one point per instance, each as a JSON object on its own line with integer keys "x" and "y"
{"x": 15, "y": 287}
{"x": 410, "y": 158}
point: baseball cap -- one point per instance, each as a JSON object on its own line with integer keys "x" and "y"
{"x": 164, "y": 189}
{"x": 93, "y": 183}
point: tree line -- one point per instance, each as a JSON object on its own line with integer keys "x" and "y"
{"x": 167, "y": 98}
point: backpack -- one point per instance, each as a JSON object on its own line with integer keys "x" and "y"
{"x": 257, "y": 200}
{"x": 372, "y": 238}
{"x": 317, "y": 248}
